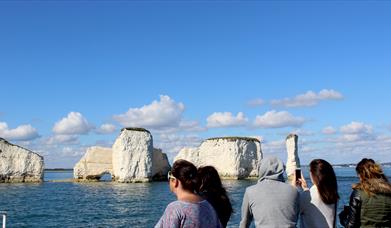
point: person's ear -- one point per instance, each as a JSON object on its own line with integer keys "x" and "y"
{"x": 176, "y": 183}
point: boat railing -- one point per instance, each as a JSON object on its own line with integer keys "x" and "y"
{"x": 4, "y": 214}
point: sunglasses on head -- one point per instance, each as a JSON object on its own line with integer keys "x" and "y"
{"x": 170, "y": 176}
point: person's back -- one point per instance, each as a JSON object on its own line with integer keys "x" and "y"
{"x": 271, "y": 202}
{"x": 375, "y": 209}
{"x": 314, "y": 212}
{"x": 318, "y": 204}
{"x": 185, "y": 214}
{"x": 370, "y": 201}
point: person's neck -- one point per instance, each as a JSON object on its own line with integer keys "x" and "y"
{"x": 188, "y": 197}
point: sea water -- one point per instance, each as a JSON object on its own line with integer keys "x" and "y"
{"x": 110, "y": 204}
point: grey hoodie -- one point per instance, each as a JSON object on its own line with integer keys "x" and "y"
{"x": 270, "y": 202}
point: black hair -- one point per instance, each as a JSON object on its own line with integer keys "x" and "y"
{"x": 211, "y": 188}
{"x": 325, "y": 180}
{"x": 186, "y": 173}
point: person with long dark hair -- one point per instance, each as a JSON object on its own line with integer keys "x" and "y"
{"x": 211, "y": 188}
{"x": 190, "y": 209}
{"x": 319, "y": 203}
{"x": 370, "y": 201}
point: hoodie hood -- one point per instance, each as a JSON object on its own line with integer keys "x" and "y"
{"x": 271, "y": 168}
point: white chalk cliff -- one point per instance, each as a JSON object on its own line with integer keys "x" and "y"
{"x": 160, "y": 165}
{"x": 18, "y": 164}
{"x": 293, "y": 160}
{"x": 233, "y": 157}
{"x": 135, "y": 159}
{"x": 96, "y": 162}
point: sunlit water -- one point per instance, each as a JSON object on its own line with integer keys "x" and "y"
{"x": 109, "y": 204}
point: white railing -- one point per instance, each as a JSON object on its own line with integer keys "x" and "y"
{"x": 4, "y": 214}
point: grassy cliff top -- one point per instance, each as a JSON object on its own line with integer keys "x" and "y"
{"x": 291, "y": 135}
{"x": 135, "y": 129}
{"x": 234, "y": 138}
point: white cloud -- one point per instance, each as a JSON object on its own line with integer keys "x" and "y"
{"x": 226, "y": 119}
{"x": 256, "y": 102}
{"x": 329, "y": 130}
{"x": 171, "y": 144}
{"x": 353, "y": 147}
{"x": 106, "y": 129}
{"x": 192, "y": 126}
{"x": 62, "y": 139}
{"x": 274, "y": 119}
{"x": 356, "y": 131}
{"x": 73, "y": 124}
{"x": 69, "y": 151}
{"x": 302, "y": 132}
{"x": 309, "y": 98}
{"x": 356, "y": 128}
{"x": 20, "y": 133}
{"x": 162, "y": 114}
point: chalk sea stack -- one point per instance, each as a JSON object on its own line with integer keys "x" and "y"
{"x": 96, "y": 162}
{"x": 233, "y": 157}
{"x": 18, "y": 164}
{"x": 135, "y": 159}
{"x": 293, "y": 160}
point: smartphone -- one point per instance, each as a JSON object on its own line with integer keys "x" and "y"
{"x": 298, "y": 174}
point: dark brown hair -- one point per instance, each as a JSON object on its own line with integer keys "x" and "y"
{"x": 367, "y": 169}
{"x": 325, "y": 180}
{"x": 211, "y": 188}
{"x": 186, "y": 173}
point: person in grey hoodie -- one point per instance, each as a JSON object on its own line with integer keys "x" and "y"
{"x": 270, "y": 202}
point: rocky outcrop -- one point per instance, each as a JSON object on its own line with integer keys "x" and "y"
{"x": 293, "y": 160}
{"x": 96, "y": 162}
{"x": 233, "y": 157}
{"x": 18, "y": 164}
{"x": 160, "y": 165}
{"x": 134, "y": 159}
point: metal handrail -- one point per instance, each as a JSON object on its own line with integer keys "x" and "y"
{"x": 4, "y": 214}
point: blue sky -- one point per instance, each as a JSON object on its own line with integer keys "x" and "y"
{"x": 74, "y": 73}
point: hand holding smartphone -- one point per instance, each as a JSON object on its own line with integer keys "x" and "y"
{"x": 298, "y": 174}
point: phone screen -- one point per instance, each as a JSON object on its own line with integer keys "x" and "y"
{"x": 298, "y": 174}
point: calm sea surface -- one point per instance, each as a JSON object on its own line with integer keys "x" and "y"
{"x": 107, "y": 204}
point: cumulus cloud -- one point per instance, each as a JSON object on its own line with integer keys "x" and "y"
{"x": 106, "y": 129}
{"x": 69, "y": 151}
{"x": 274, "y": 119}
{"x": 20, "y": 133}
{"x": 309, "y": 98}
{"x": 256, "y": 102}
{"x": 62, "y": 139}
{"x": 329, "y": 130}
{"x": 356, "y": 128}
{"x": 173, "y": 143}
{"x": 73, "y": 124}
{"x": 161, "y": 114}
{"x": 302, "y": 132}
{"x": 352, "y": 147}
{"x": 356, "y": 131}
{"x": 226, "y": 119}
{"x": 192, "y": 126}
